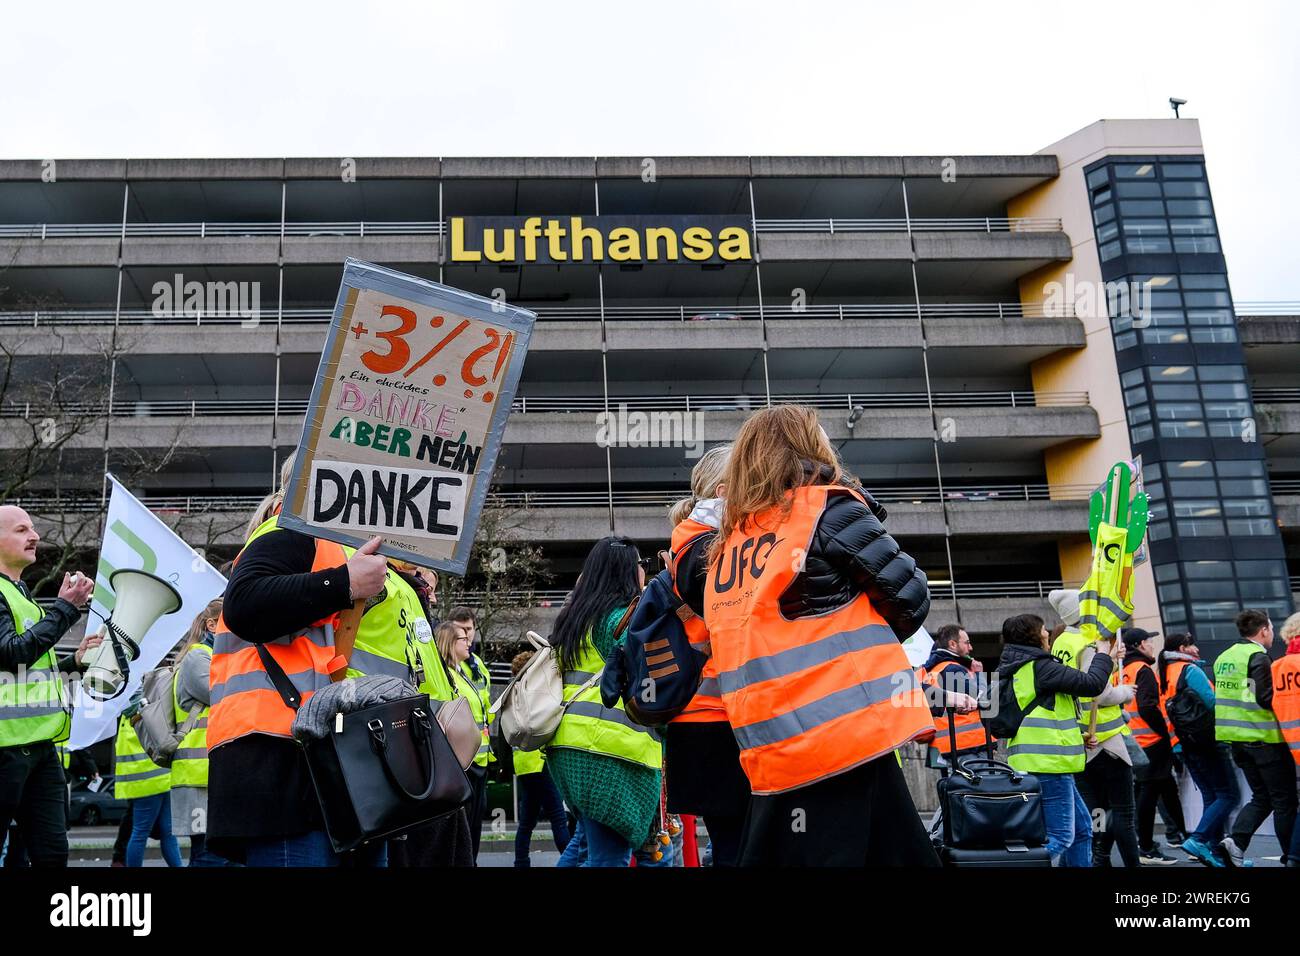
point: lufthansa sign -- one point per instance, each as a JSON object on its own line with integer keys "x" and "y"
{"x": 555, "y": 239}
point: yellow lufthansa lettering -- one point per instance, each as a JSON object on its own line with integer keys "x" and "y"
{"x": 571, "y": 239}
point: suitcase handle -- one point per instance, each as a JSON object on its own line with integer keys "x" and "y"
{"x": 992, "y": 766}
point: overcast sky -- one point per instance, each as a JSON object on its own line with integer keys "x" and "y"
{"x": 665, "y": 77}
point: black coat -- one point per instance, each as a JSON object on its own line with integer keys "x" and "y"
{"x": 1051, "y": 675}
{"x": 851, "y": 553}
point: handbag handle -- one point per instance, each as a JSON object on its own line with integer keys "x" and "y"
{"x": 380, "y": 740}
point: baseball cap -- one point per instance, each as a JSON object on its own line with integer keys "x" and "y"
{"x": 1134, "y": 636}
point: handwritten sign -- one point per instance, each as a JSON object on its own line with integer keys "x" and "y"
{"x": 406, "y": 416}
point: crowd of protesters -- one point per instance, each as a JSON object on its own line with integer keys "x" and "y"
{"x": 805, "y": 600}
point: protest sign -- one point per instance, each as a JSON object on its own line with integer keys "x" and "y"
{"x": 406, "y": 416}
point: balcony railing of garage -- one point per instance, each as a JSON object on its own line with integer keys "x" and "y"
{"x": 563, "y": 313}
{"x": 1277, "y": 396}
{"x": 966, "y": 224}
{"x": 916, "y": 494}
{"x": 703, "y": 403}
{"x": 563, "y": 498}
{"x": 201, "y": 408}
{"x": 203, "y": 230}
{"x": 1285, "y": 486}
{"x": 1266, "y": 308}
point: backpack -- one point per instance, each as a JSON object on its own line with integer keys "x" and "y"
{"x": 155, "y": 720}
{"x": 529, "y": 709}
{"x": 1192, "y": 720}
{"x": 1005, "y": 722}
{"x": 655, "y": 671}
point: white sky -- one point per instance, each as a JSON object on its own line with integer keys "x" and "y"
{"x": 663, "y": 77}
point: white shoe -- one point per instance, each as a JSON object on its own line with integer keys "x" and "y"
{"x": 1235, "y": 855}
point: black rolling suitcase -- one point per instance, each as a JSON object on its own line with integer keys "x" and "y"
{"x": 992, "y": 813}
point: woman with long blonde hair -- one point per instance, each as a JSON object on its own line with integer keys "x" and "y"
{"x": 807, "y": 601}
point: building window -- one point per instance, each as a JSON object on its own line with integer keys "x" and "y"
{"x": 1197, "y": 246}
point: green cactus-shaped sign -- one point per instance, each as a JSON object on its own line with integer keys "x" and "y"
{"x": 1111, "y": 504}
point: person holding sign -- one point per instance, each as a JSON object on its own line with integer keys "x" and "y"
{"x": 287, "y": 594}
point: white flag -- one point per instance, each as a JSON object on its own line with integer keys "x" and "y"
{"x": 134, "y": 537}
{"x": 918, "y": 647}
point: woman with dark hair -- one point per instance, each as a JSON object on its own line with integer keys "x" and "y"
{"x": 1208, "y": 762}
{"x": 606, "y": 766}
{"x": 1049, "y": 740}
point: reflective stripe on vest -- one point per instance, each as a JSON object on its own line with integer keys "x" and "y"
{"x": 1068, "y": 649}
{"x": 386, "y": 636}
{"x": 190, "y": 762}
{"x": 245, "y": 701}
{"x": 970, "y": 729}
{"x": 812, "y": 697}
{"x": 1107, "y": 615}
{"x": 135, "y": 774}
{"x": 1237, "y": 715}
{"x": 1049, "y": 739}
{"x": 1137, "y": 724}
{"x": 468, "y": 690}
{"x": 1286, "y": 701}
{"x": 483, "y": 691}
{"x": 1173, "y": 673}
{"x": 706, "y": 705}
{"x": 33, "y": 701}
{"x": 590, "y": 726}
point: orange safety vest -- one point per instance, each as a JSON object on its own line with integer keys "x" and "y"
{"x": 706, "y": 705}
{"x": 1140, "y": 729}
{"x": 970, "y": 729}
{"x": 244, "y": 701}
{"x": 1173, "y": 673}
{"x": 1286, "y": 700}
{"x": 812, "y": 697}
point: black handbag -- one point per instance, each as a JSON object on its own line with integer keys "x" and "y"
{"x": 390, "y": 769}
{"x": 384, "y": 769}
{"x": 992, "y": 813}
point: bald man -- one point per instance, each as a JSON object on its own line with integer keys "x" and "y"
{"x": 34, "y": 709}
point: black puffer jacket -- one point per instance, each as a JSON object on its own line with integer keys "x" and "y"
{"x": 851, "y": 553}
